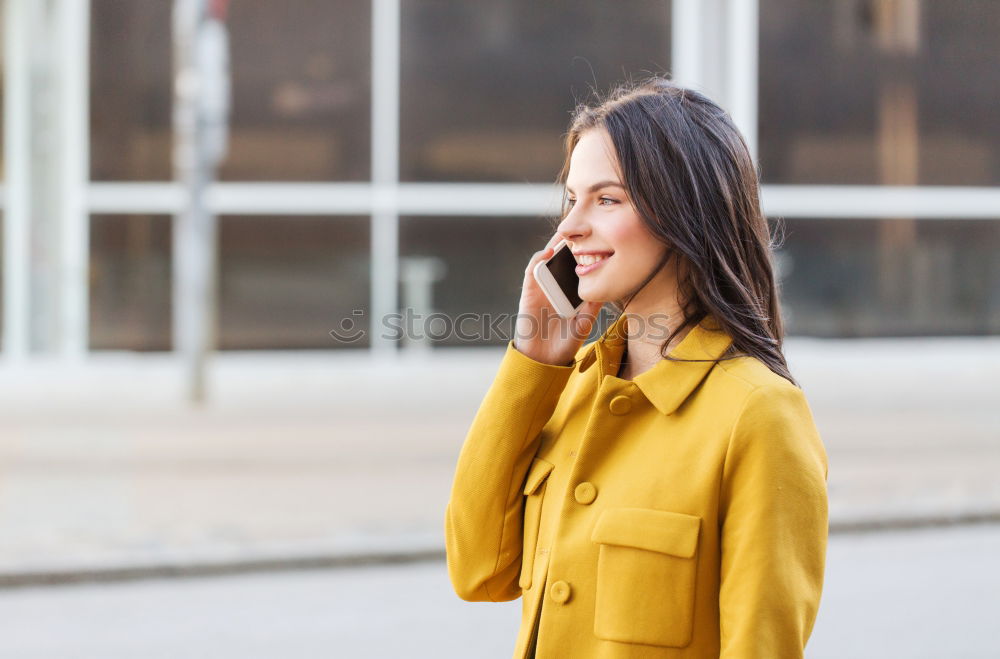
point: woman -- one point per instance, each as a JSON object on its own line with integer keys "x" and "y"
{"x": 660, "y": 492}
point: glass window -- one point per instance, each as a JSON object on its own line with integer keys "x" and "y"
{"x": 884, "y": 277}
{"x": 130, "y": 100}
{"x": 300, "y": 83}
{"x": 284, "y": 282}
{"x": 486, "y": 88}
{"x": 130, "y": 261}
{"x": 483, "y": 260}
{"x": 865, "y": 92}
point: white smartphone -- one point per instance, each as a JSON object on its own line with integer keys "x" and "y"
{"x": 558, "y": 280}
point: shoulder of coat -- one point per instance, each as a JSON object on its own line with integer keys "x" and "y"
{"x": 751, "y": 373}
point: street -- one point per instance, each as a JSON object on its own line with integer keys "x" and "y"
{"x": 908, "y": 594}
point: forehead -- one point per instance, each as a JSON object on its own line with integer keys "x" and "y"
{"x": 593, "y": 159}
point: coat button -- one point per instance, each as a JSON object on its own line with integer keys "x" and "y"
{"x": 559, "y": 591}
{"x": 585, "y": 493}
{"x": 620, "y": 405}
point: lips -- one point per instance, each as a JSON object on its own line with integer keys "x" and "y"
{"x": 582, "y": 270}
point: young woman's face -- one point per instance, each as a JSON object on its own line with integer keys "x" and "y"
{"x": 602, "y": 221}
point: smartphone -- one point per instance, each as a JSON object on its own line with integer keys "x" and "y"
{"x": 558, "y": 280}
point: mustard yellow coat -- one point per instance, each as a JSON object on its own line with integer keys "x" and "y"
{"x": 683, "y": 513}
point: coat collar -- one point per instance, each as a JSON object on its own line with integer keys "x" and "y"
{"x": 668, "y": 383}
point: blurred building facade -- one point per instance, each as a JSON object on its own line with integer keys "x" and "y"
{"x": 368, "y": 132}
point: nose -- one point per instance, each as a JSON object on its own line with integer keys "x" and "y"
{"x": 573, "y": 227}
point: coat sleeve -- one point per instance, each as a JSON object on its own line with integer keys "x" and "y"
{"x": 774, "y": 527}
{"x": 484, "y": 516}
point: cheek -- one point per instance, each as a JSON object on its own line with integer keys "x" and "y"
{"x": 630, "y": 236}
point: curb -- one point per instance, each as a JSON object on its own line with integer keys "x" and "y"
{"x": 204, "y": 568}
{"x": 251, "y": 564}
{"x": 888, "y": 523}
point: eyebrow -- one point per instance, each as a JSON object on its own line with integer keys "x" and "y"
{"x": 603, "y": 184}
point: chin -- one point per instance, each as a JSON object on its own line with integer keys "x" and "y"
{"x": 589, "y": 294}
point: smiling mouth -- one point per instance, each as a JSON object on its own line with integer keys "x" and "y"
{"x": 588, "y": 263}
{"x": 591, "y": 259}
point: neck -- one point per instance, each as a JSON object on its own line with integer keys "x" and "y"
{"x": 652, "y": 321}
{"x": 646, "y": 334}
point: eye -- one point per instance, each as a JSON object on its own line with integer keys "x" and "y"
{"x": 571, "y": 202}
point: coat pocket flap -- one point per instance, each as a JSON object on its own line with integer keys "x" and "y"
{"x": 536, "y": 474}
{"x": 645, "y": 528}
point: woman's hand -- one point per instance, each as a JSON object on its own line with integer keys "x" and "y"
{"x": 542, "y": 334}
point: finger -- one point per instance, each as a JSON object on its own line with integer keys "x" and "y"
{"x": 549, "y": 250}
{"x": 536, "y": 257}
{"x": 553, "y": 241}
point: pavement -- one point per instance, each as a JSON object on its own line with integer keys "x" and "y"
{"x": 312, "y": 459}
{"x": 886, "y": 594}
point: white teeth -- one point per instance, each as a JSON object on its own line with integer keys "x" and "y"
{"x": 590, "y": 259}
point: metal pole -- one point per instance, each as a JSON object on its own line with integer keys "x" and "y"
{"x": 684, "y": 38}
{"x": 201, "y": 91}
{"x": 72, "y": 23}
{"x": 742, "y": 69}
{"x": 385, "y": 172}
{"x": 714, "y": 50}
{"x": 17, "y": 170}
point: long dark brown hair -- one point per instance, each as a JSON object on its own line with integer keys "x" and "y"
{"x": 689, "y": 174}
